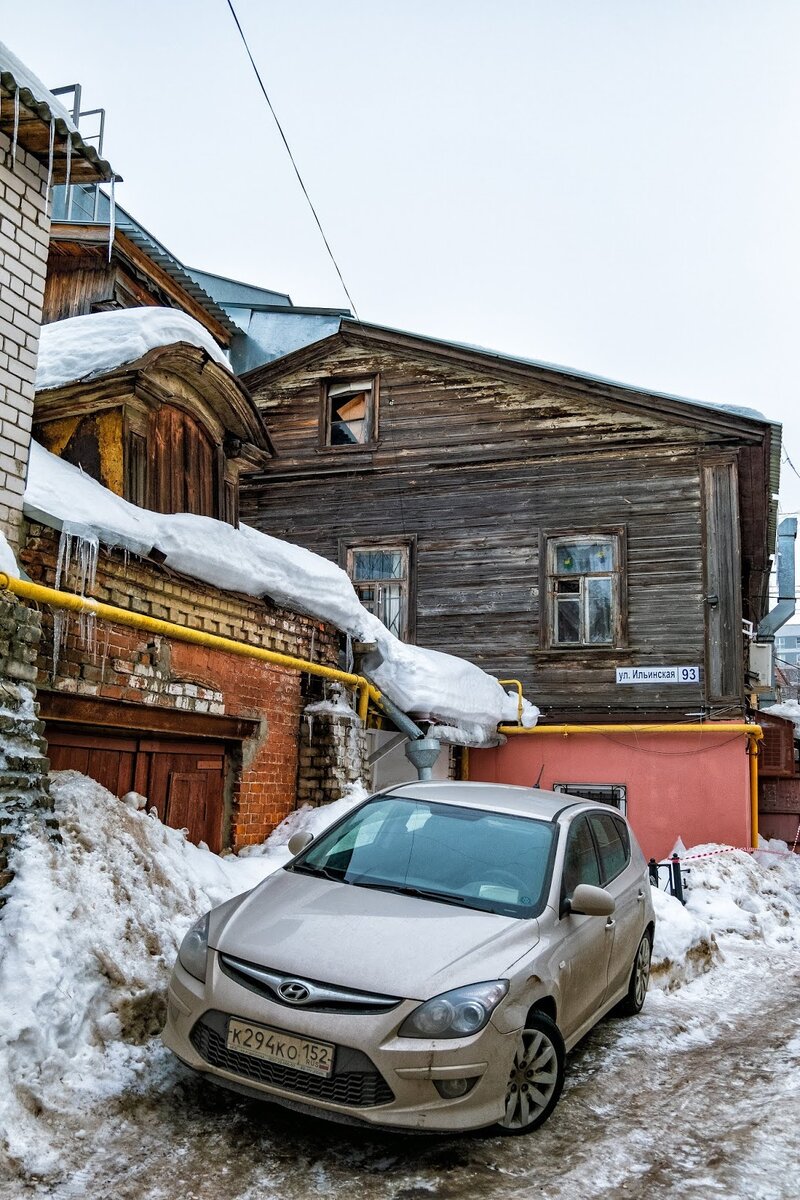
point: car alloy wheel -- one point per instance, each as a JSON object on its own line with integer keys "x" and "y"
{"x": 640, "y": 977}
{"x": 536, "y": 1077}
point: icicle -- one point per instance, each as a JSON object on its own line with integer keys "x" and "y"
{"x": 104, "y": 655}
{"x": 60, "y": 623}
{"x": 16, "y": 125}
{"x": 111, "y": 220}
{"x": 310, "y": 723}
{"x": 348, "y": 657}
{"x": 64, "y": 554}
{"x": 68, "y": 168}
{"x": 50, "y": 164}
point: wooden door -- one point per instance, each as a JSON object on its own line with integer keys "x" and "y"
{"x": 183, "y": 780}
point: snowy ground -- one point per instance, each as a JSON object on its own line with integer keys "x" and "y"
{"x": 697, "y": 1097}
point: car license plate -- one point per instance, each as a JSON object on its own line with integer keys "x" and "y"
{"x": 260, "y": 1041}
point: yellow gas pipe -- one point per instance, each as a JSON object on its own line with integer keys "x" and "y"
{"x": 753, "y": 733}
{"x": 181, "y": 633}
{"x": 366, "y": 690}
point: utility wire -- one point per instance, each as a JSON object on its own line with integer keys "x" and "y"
{"x": 791, "y": 464}
{"x": 291, "y": 157}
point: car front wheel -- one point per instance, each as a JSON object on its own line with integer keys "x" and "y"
{"x": 640, "y": 977}
{"x": 536, "y": 1077}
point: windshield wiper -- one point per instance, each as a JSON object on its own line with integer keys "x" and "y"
{"x": 408, "y": 890}
{"x": 323, "y": 872}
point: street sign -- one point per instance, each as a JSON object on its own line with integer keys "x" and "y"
{"x": 658, "y": 675}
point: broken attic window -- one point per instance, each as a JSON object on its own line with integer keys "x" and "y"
{"x": 350, "y": 413}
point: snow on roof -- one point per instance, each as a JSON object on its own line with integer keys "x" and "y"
{"x": 83, "y": 347}
{"x": 25, "y": 78}
{"x": 419, "y": 681}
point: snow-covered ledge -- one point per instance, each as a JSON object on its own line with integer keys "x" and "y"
{"x": 426, "y": 683}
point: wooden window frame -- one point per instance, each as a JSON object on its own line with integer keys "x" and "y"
{"x": 326, "y": 414}
{"x": 549, "y": 539}
{"x": 408, "y": 544}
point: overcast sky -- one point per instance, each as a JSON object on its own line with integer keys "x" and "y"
{"x": 612, "y": 185}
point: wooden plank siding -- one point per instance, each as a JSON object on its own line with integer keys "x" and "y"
{"x": 477, "y": 466}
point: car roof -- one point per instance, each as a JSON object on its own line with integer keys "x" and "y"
{"x": 502, "y": 797}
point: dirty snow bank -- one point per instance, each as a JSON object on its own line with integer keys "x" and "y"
{"x": 82, "y": 347}
{"x": 728, "y": 894}
{"x": 90, "y": 932}
{"x": 422, "y": 682}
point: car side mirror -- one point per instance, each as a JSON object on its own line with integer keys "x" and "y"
{"x": 298, "y": 841}
{"x": 590, "y": 901}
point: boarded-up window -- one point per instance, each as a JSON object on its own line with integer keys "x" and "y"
{"x": 184, "y": 465}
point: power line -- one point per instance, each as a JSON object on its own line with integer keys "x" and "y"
{"x": 291, "y": 157}
{"x": 791, "y": 464}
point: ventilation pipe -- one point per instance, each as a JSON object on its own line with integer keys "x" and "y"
{"x": 785, "y": 608}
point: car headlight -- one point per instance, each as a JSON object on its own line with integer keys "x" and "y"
{"x": 455, "y": 1014}
{"x": 194, "y": 949}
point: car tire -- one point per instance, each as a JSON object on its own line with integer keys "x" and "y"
{"x": 536, "y": 1077}
{"x": 640, "y": 977}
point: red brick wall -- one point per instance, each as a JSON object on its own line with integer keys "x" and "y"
{"x": 118, "y": 663}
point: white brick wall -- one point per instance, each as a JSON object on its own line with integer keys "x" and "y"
{"x": 24, "y": 241}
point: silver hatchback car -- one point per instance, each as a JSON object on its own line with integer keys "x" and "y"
{"x": 425, "y": 963}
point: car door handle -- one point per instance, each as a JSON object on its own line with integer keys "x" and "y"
{"x": 610, "y": 923}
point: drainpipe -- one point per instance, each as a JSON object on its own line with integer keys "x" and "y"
{"x": 421, "y": 751}
{"x": 785, "y": 608}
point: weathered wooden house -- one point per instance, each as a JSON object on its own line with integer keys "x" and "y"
{"x": 599, "y": 543}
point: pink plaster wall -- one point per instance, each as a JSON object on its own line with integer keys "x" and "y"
{"x": 693, "y": 786}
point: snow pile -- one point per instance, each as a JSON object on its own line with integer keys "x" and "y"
{"x": 422, "y": 682}
{"x": 728, "y": 894}
{"x": 93, "y": 924}
{"x": 82, "y": 347}
{"x": 90, "y": 932}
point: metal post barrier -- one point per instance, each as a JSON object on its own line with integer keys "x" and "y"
{"x": 652, "y": 867}
{"x": 677, "y": 881}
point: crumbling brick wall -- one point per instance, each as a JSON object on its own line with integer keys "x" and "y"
{"x": 333, "y": 750}
{"x": 23, "y": 761}
{"x": 114, "y": 662}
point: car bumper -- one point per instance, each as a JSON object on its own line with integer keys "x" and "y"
{"x": 379, "y": 1079}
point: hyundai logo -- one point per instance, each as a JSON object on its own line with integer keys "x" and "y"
{"x": 293, "y": 991}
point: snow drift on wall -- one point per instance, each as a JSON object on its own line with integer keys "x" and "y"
{"x": 422, "y": 682}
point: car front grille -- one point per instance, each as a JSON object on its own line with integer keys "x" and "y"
{"x": 356, "y": 1082}
{"x": 320, "y": 997}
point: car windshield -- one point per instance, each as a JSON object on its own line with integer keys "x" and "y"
{"x": 443, "y": 852}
